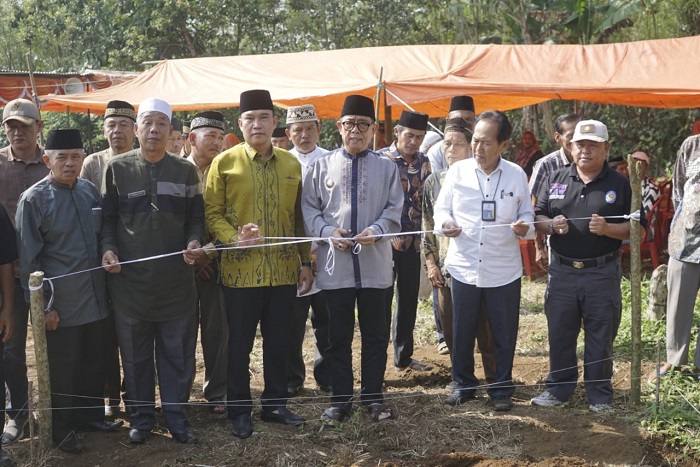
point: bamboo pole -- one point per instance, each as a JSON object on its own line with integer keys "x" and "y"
{"x": 635, "y": 282}
{"x": 36, "y": 280}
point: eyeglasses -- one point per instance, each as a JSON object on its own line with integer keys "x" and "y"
{"x": 361, "y": 126}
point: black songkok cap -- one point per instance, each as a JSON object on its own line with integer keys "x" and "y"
{"x": 186, "y": 126}
{"x": 64, "y": 139}
{"x": 279, "y": 132}
{"x": 256, "y": 99}
{"x": 120, "y": 109}
{"x": 177, "y": 124}
{"x": 414, "y": 120}
{"x": 356, "y": 104}
{"x": 210, "y": 118}
{"x": 462, "y": 103}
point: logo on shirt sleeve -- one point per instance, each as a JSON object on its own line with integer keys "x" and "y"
{"x": 610, "y": 197}
{"x": 557, "y": 190}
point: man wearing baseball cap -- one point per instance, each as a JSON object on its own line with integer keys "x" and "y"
{"x": 581, "y": 208}
{"x": 21, "y": 166}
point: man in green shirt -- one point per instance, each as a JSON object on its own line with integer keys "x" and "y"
{"x": 254, "y": 190}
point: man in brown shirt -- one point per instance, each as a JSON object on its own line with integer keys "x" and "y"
{"x": 21, "y": 166}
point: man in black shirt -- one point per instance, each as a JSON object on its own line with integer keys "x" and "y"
{"x": 582, "y": 208}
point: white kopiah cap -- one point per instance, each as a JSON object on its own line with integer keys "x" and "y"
{"x": 155, "y": 105}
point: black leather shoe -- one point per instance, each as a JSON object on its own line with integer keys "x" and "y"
{"x": 502, "y": 403}
{"x": 137, "y": 436}
{"x": 283, "y": 416}
{"x": 103, "y": 426}
{"x": 242, "y": 426}
{"x": 70, "y": 443}
{"x": 186, "y": 437}
{"x": 459, "y": 396}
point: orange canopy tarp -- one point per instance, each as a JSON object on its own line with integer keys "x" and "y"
{"x": 17, "y": 84}
{"x": 659, "y": 73}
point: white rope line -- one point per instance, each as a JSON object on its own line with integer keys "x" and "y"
{"x": 295, "y": 240}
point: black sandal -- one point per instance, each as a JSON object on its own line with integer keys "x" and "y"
{"x": 380, "y": 412}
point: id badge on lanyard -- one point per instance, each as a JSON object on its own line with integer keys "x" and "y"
{"x": 488, "y": 211}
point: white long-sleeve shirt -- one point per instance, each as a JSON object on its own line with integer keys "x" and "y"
{"x": 481, "y": 255}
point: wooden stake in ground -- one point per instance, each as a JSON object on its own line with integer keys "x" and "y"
{"x": 36, "y": 280}
{"x": 635, "y": 281}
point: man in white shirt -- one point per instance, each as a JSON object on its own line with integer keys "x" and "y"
{"x": 304, "y": 131}
{"x": 485, "y": 205}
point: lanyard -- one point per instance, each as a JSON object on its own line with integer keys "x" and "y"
{"x": 483, "y": 197}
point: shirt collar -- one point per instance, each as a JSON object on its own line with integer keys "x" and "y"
{"x": 38, "y": 152}
{"x": 251, "y": 152}
{"x": 498, "y": 167}
{"x": 603, "y": 173}
{"x": 359, "y": 154}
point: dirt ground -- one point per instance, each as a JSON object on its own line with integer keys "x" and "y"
{"x": 425, "y": 433}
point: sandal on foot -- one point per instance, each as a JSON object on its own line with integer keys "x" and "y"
{"x": 380, "y": 412}
{"x": 332, "y": 417}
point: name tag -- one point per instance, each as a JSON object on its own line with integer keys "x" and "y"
{"x": 488, "y": 211}
{"x": 136, "y": 194}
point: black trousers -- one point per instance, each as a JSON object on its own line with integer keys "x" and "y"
{"x": 113, "y": 383}
{"x": 502, "y": 306}
{"x": 15, "y": 357}
{"x": 245, "y": 308}
{"x": 591, "y": 296}
{"x": 76, "y": 375}
{"x": 371, "y": 313}
{"x": 296, "y": 370}
{"x": 173, "y": 342}
{"x": 407, "y": 274}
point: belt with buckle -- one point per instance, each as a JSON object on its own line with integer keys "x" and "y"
{"x": 587, "y": 263}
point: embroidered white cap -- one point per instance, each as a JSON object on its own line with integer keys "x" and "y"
{"x": 155, "y": 105}
{"x": 591, "y": 130}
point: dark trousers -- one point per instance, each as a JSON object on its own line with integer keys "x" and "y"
{"x": 593, "y": 296}
{"x": 173, "y": 342}
{"x": 371, "y": 314}
{"x": 245, "y": 308}
{"x": 296, "y": 370}
{"x": 502, "y": 305}
{"x": 214, "y": 338}
{"x": 15, "y": 357}
{"x": 436, "y": 316}
{"x": 113, "y": 383}
{"x": 484, "y": 339}
{"x": 76, "y": 375}
{"x": 407, "y": 273}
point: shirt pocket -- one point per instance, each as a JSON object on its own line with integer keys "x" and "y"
{"x": 97, "y": 219}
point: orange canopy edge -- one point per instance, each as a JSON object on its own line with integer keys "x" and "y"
{"x": 656, "y": 73}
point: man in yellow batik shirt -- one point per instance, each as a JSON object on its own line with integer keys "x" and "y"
{"x": 254, "y": 191}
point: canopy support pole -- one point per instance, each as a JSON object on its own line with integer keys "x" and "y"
{"x": 377, "y": 99}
